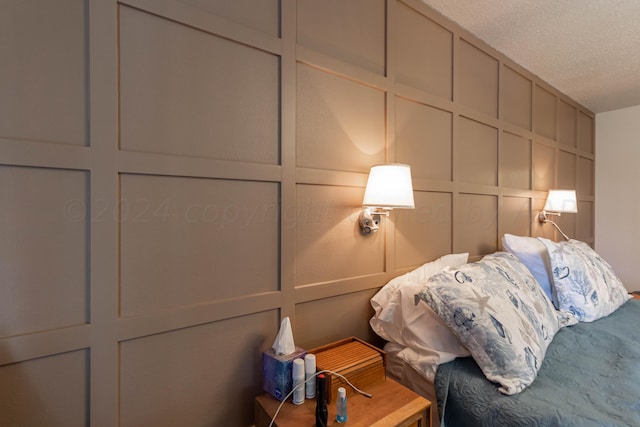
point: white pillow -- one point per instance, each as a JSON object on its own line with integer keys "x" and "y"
{"x": 533, "y": 254}
{"x": 584, "y": 284}
{"x": 397, "y": 319}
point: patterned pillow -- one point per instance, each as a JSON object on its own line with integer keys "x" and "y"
{"x": 500, "y": 313}
{"x": 583, "y": 283}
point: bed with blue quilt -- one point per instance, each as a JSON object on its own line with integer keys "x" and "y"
{"x": 542, "y": 334}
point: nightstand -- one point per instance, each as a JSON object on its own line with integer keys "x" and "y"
{"x": 391, "y": 405}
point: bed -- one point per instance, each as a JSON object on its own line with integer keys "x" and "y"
{"x": 543, "y": 334}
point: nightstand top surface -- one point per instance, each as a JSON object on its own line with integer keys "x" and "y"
{"x": 391, "y": 404}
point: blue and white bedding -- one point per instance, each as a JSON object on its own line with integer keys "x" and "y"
{"x": 562, "y": 353}
{"x": 590, "y": 376}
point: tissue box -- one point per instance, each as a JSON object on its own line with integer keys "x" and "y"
{"x": 277, "y": 372}
{"x": 360, "y": 362}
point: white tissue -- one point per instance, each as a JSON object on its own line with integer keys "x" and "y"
{"x": 283, "y": 343}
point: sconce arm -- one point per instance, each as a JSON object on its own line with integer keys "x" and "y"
{"x": 542, "y": 218}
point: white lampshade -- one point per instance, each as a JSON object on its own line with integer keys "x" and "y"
{"x": 562, "y": 201}
{"x": 389, "y": 186}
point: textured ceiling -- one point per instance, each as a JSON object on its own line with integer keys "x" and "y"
{"x": 587, "y": 49}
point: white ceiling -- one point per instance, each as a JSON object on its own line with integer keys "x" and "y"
{"x": 587, "y": 49}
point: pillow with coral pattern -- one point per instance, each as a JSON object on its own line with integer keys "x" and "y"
{"x": 584, "y": 284}
{"x": 500, "y": 313}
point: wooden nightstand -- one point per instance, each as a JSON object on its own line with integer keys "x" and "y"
{"x": 392, "y": 405}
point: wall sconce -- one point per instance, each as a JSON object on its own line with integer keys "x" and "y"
{"x": 558, "y": 202}
{"x": 389, "y": 186}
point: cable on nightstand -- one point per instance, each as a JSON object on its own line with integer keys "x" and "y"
{"x": 302, "y": 384}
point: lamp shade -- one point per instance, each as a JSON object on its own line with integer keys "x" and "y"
{"x": 562, "y": 201}
{"x": 389, "y": 186}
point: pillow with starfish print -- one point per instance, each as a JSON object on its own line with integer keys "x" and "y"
{"x": 500, "y": 313}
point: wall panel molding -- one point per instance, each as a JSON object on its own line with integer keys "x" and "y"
{"x": 175, "y": 105}
{"x": 195, "y": 167}
{"x": 197, "y": 314}
{"x": 191, "y": 16}
{"x": 44, "y": 154}
{"x": 41, "y": 344}
{"x": 341, "y": 68}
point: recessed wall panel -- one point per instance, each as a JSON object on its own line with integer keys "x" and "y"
{"x": 567, "y": 124}
{"x": 544, "y": 113}
{"x": 477, "y": 79}
{"x": 423, "y": 233}
{"x": 544, "y": 166}
{"x": 212, "y": 98}
{"x": 44, "y": 249}
{"x": 516, "y": 98}
{"x": 586, "y": 174}
{"x": 424, "y": 53}
{"x": 330, "y": 319}
{"x": 329, "y": 244}
{"x": 477, "y": 155}
{"x": 515, "y": 216}
{"x": 585, "y": 222}
{"x": 567, "y": 224}
{"x": 566, "y": 170}
{"x": 190, "y": 240}
{"x": 43, "y": 77}
{"x": 586, "y": 136}
{"x": 352, "y": 31}
{"x": 51, "y": 391}
{"x": 475, "y": 227}
{"x": 262, "y": 16}
{"x": 196, "y": 376}
{"x": 515, "y": 161}
{"x": 423, "y": 139}
{"x": 340, "y": 123}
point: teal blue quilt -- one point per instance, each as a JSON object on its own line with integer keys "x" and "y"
{"x": 590, "y": 376}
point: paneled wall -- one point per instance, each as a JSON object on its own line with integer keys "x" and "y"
{"x": 178, "y": 175}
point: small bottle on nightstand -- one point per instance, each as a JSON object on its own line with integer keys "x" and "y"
{"x": 298, "y": 381}
{"x": 341, "y": 405}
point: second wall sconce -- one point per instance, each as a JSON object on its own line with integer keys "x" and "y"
{"x": 389, "y": 187}
{"x": 558, "y": 202}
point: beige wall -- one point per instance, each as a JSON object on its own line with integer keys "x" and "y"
{"x": 176, "y": 176}
{"x": 617, "y": 177}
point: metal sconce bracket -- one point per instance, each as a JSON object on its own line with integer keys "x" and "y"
{"x": 369, "y": 219}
